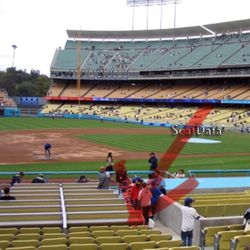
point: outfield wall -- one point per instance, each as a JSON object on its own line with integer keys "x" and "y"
{"x": 10, "y": 112}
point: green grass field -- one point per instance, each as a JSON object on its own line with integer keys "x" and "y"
{"x": 231, "y": 143}
{"x": 24, "y": 123}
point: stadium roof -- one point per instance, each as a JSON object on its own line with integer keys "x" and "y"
{"x": 139, "y": 34}
{"x": 233, "y": 26}
{"x": 217, "y": 28}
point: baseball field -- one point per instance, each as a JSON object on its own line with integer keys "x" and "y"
{"x": 79, "y": 145}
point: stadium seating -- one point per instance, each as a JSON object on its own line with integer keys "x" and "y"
{"x": 153, "y": 55}
{"x": 223, "y": 239}
{"x": 37, "y": 204}
{"x": 99, "y": 237}
{"x": 5, "y": 100}
{"x": 240, "y": 242}
{"x": 220, "y": 236}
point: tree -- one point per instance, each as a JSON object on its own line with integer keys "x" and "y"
{"x": 20, "y": 83}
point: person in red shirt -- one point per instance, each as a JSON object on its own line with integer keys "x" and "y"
{"x": 134, "y": 194}
{"x": 144, "y": 198}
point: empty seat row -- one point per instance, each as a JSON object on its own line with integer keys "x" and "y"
{"x": 208, "y": 233}
{"x": 87, "y": 236}
{"x": 123, "y": 246}
{"x": 75, "y": 246}
{"x": 222, "y": 210}
{"x": 79, "y": 229}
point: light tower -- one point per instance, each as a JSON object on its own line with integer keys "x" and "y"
{"x": 147, "y": 3}
{"x": 13, "y": 57}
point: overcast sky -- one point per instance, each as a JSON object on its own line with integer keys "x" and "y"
{"x": 38, "y": 27}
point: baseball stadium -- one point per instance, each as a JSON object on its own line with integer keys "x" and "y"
{"x": 180, "y": 94}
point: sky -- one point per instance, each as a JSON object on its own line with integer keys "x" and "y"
{"x": 38, "y": 27}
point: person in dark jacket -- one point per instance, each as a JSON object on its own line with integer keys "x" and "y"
{"x": 7, "y": 194}
{"x": 153, "y": 162}
{"x": 39, "y": 179}
{"x": 110, "y": 162}
{"x": 17, "y": 178}
{"x": 47, "y": 150}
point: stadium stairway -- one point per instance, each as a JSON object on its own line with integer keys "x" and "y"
{"x": 66, "y": 205}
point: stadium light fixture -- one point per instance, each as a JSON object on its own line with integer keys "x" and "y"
{"x": 13, "y": 57}
{"x": 147, "y": 3}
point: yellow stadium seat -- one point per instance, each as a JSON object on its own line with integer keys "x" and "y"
{"x": 127, "y": 232}
{"x": 4, "y": 244}
{"x": 8, "y": 231}
{"x": 223, "y": 239}
{"x": 233, "y": 210}
{"x": 53, "y": 247}
{"x": 215, "y": 211}
{"x": 53, "y": 235}
{"x": 119, "y": 227}
{"x": 8, "y": 237}
{"x": 81, "y": 240}
{"x": 185, "y": 248}
{"x": 25, "y": 243}
{"x": 236, "y": 227}
{"x": 98, "y": 228}
{"x": 150, "y": 231}
{"x": 241, "y": 242}
{"x": 28, "y": 236}
{"x": 140, "y": 227}
{"x": 114, "y": 246}
{"x": 158, "y": 237}
{"x": 112, "y": 239}
{"x": 169, "y": 243}
{"x": 20, "y": 248}
{"x": 55, "y": 241}
{"x": 83, "y": 246}
{"x": 78, "y": 229}
{"x": 201, "y": 209}
{"x": 208, "y": 234}
{"x": 103, "y": 233}
{"x": 142, "y": 245}
{"x": 161, "y": 248}
{"x": 51, "y": 230}
{"x": 134, "y": 238}
{"x": 28, "y": 230}
{"x": 80, "y": 234}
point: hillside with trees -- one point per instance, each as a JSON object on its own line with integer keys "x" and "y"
{"x": 21, "y": 83}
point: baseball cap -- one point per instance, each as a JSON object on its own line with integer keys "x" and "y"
{"x": 187, "y": 201}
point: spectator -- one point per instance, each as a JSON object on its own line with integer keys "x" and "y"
{"x": 121, "y": 173}
{"x": 110, "y": 162}
{"x": 247, "y": 220}
{"x": 82, "y": 179}
{"x": 180, "y": 174}
{"x": 7, "y": 196}
{"x": 47, "y": 149}
{"x": 144, "y": 198}
{"x": 156, "y": 193}
{"x": 189, "y": 215}
{"x": 136, "y": 188}
{"x": 104, "y": 179}
{"x": 153, "y": 162}
{"x": 125, "y": 186}
{"x": 157, "y": 178}
{"x": 39, "y": 179}
{"x": 17, "y": 178}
